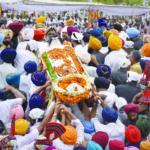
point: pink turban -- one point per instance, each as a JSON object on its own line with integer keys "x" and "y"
{"x": 71, "y": 29}
{"x": 17, "y": 111}
{"x": 131, "y": 108}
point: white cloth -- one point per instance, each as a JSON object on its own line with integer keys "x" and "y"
{"x": 22, "y": 57}
{"x": 133, "y": 76}
{"x": 5, "y": 69}
{"x": 6, "y": 106}
{"x": 111, "y": 88}
{"x": 104, "y": 50}
{"x": 123, "y": 35}
{"x": 26, "y": 139}
{"x": 22, "y": 46}
{"x": 77, "y": 36}
{"x": 35, "y": 126}
{"x": 115, "y": 131}
{"x": 33, "y": 45}
{"x": 36, "y": 113}
{"x": 120, "y": 102}
{"x": 113, "y": 59}
{"x": 124, "y": 63}
{"x": 28, "y": 34}
{"x": 129, "y": 44}
{"x": 83, "y": 55}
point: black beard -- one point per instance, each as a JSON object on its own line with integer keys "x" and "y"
{"x": 6, "y": 43}
{"x": 90, "y": 50}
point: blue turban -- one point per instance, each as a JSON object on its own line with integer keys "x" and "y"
{"x": 101, "y": 82}
{"x": 30, "y": 66}
{"x": 109, "y": 114}
{"x": 104, "y": 41}
{"x": 103, "y": 71}
{"x": 1, "y": 37}
{"x": 96, "y": 32}
{"x": 80, "y": 148}
{"x": 2, "y": 127}
{"x": 8, "y": 55}
{"x": 88, "y": 127}
{"x": 132, "y": 32}
{"x": 101, "y": 23}
{"x": 142, "y": 63}
{"x": 1, "y": 94}
{"x": 86, "y": 37}
{"x": 13, "y": 78}
{"x": 93, "y": 146}
{"x": 35, "y": 101}
{"x": 38, "y": 78}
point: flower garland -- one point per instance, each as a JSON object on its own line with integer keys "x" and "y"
{"x": 60, "y": 87}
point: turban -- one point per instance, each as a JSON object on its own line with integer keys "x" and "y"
{"x": 93, "y": 146}
{"x": 38, "y": 35}
{"x": 132, "y": 32}
{"x": 17, "y": 111}
{"x": 116, "y": 145}
{"x": 36, "y": 113}
{"x": 129, "y": 44}
{"x": 41, "y": 19}
{"x": 70, "y": 136}
{"x": 77, "y": 36}
{"x": 9, "y": 140}
{"x": 107, "y": 33}
{"x": 101, "y": 82}
{"x": 16, "y": 26}
{"x": 35, "y": 101}
{"x": 1, "y": 37}
{"x": 30, "y": 66}
{"x": 133, "y": 76}
{"x": 124, "y": 63}
{"x": 21, "y": 126}
{"x": 86, "y": 37}
{"x": 80, "y": 148}
{"x": 50, "y": 148}
{"x": 70, "y": 22}
{"x": 101, "y": 23}
{"x": 115, "y": 42}
{"x": 96, "y": 32}
{"x": 142, "y": 63}
{"x": 8, "y": 55}
{"x": 118, "y": 27}
{"x": 38, "y": 78}
{"x": 103, "y": 71}
{"x": 88, "y": 126}
{"x": 7, "y": 33}
{"x": 132, "y": 134}
{"x": 54, "y": 29}
{"x": 146, "y": 50}
{"x": 109, "y": 114}
{"x": 33, "y": 45}
{"x": 13, "y": 79}
{"x": 120, "y": 102}
{"x": 71, "y": 29}
{"x": 145, "y": 145}
{"x": 104, "y": 41}
{"x": 40, "y": 26}
{"x": 28, "y": 34}
{"x": 131, "y": 108}
{"x": 2, "y": 127}
{"x": 101, "y": 138}
{"x": 131, "y": 148}
{"x": 143, "y": 125}
{"x": 115, "y": 32}
{"x": 94, "y": 43}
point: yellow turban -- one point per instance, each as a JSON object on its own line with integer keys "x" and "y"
{"x": 145, "y": 145}
{"x": 70, "y": 22}
{"x": 21, "y": 126}
{"x": 146, "y": 50}
{"x": 115, "y": 42}
{"x": 7, "y": 32}
{"x": 40, "y": 26}
{"x": 41, "y": 19}
{"x": 70, "y": 136}
{"x": 94, "y": 43}
{"x": 107, "y": 33}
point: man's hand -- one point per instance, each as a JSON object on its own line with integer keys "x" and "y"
{"x": 8, "y": 88}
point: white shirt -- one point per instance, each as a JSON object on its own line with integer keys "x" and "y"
{"x": 6, "y": 106}
{"x": 104, "y": 50}
{"x": 22, "y": 46}
{"x": 5, "y": 69}
{"x": 113, "y": 59}
{"x": 22, "y": 57}
{"x": 115, "y": 131}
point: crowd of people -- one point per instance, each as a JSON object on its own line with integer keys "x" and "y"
{"x": 115, "y": 57}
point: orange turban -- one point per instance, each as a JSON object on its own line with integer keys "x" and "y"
{"x": 146, "y": 50}
{"x": 115, "y": 32}
{"x": 94, "y": 43}
{"x": 38, "y": 34}
{"x": 70, "y": 136}
{"x": 145, "y": 145}
{"x": 70, "y": 22}
{"x": 115, "y": 42}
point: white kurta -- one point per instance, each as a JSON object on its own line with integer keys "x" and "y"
{"x": 115, "y": 131}
{"x": 22, "y": 57}
{"x": 113, "y": 59}
{"x": 6, "y": 106}
{"x": 5, "y": 69}
{"x": 22, "y": 46}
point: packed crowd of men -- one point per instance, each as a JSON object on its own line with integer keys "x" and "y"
{"x": 117, "y": 60}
